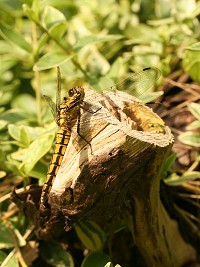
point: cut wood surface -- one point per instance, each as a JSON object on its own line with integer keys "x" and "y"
{"x": 106, "y": 133}
{"x": 116, "y": 174}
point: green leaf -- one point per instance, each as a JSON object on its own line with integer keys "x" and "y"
{"x": 2, "y": 174}
{"x": 55, "y": 255}
{"x": 169, "y": 162}
{"x": 36, "y": 7}
{"x": 15, "y": 131}
{"x": 190, "y": 138}
{"x": 57, "y": 31}
{"x": 5, "y": 48}
{"x": 95, "y": 62}
{"x": 196, "y": 10}
{"x": 3, "y": 124}
{"x": 24, "y": 137}
{"x": 54, "y": 21}
{"x": 2, "y": 109}
{"x": 41, "y": 43}
{"x": 91, "y": 235}
{"x": 36, "y": 151}
{"x": 94, "y": 39}
{"x": 141, "y": 34}
{"x": 13, "y": 116}
{"x": 185, "y": 7}
{"x": 6, "y": 240}
{"x": 117, "y": 69}
{"x": 7, "y": 62}
{"x": 25, "y": 102}
{"x": 101, "y": 84}
{"x": 2, "y": 256}
{"x": 7, "y": 95}
{"x": 13, "y": 162}
{"x": 174, "y": 179}
{"x": 15, "y": 38}
{"x": 191, "y": 61}
{"x": 32, "y": 133}
{"x": 109, "y": 264}
{"x": 51, "y": 60}
{"x": 193, "y": 125}
{"x": 40, "y": 172}
{"x": 11, "y": 261}
{"x": 96, "y": 259}
{"x": 18, "y": 155}
{"x": 52, "y": 16}
{"x": 150, "y": 96}
{"x": 194, "y": 108}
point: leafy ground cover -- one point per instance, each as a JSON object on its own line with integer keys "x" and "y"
{"x": 95, "y": 42}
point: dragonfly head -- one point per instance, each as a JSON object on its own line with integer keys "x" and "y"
{"x": 76, "y": 94}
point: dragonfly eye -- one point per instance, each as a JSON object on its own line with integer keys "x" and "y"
{"x": 71, "y": 92}
{"x": 151, "y": 125}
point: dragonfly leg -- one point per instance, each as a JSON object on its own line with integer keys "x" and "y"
{"x": 93, "y": 111}
{"x": 89, "y": 110}
{"x": 78, "y": 131}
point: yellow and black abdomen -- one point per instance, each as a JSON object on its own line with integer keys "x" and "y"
{"x": 62, "y": 140}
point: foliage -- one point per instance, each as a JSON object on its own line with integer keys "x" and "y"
{"x": 189, "y": 137}
{"x": 91, "y": 235}
{"x": 92, "y": 41}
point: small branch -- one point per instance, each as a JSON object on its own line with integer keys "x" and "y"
{"x": 186, "y": 87}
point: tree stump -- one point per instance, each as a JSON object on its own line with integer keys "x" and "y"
{"x": 115, "y": 176}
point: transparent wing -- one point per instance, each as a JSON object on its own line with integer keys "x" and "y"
{"x": 112, "y": 106}
{"x": 58, "y": 92}
{"x": 52, "y": 106}
{"x": 55, "y": 108}
{"x": 138, "y": 83}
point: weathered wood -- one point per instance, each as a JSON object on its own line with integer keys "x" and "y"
{"x": 117, "y": 177}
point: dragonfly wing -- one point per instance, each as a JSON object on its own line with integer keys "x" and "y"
{"x": 112, "y": 107}
{"x": 52, "y": 106}
{"x": 58, "y": 92}
{"x": 105, "y": 107}
{"x": 138, "y": 83}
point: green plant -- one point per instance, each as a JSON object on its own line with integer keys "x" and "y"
{"x": 189, "y": 137}
{"x": 91, "y": 44}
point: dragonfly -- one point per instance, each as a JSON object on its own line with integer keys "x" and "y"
{"x": 67, "y": 114}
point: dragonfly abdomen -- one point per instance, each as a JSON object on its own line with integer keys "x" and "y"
{"x": 62, "y": 140}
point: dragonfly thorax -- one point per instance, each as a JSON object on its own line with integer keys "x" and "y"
{"x": 69, "y": 110}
